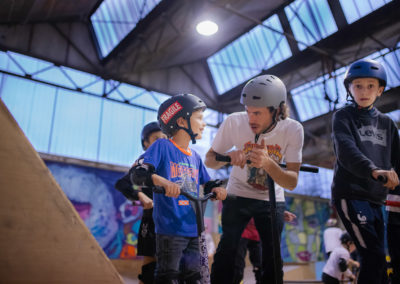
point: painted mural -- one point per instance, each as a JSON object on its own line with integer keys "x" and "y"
{"x": 112, "y": 220}
{"x": 302, "y": 240}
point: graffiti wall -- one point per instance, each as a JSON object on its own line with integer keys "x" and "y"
{"x": 302, "y": 240}
{"x": 112, "y": 220}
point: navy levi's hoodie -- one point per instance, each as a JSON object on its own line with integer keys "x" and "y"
{"x": 364, "y": 140}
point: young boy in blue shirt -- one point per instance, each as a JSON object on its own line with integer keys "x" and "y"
{"x": 366, "y": 144}
{"x": 172, "y": 165}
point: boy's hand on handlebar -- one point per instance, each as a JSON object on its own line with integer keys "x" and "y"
{"x": 221, "y": 193}
{"x": 392, "y": 178}
{"x": 145, "y": 200}
{"x": 171, "y": 189}
{"x": 238, "y": 158}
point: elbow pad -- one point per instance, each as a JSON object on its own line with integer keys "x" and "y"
{"x": 124, "y": 186}
{"x": 141, "y": 173}
{"x": 342, "y": 265}
{"x": 208, "y": 186}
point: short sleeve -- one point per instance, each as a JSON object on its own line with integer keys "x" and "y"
{"x": 294, "y": 148}
{"x": 223, "y": 139}
{"x": 203, "y": 174}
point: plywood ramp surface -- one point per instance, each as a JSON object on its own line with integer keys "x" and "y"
{"x": 42, "y": 238}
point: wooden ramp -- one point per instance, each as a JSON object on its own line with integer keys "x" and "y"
{"x": 42, "y": 238}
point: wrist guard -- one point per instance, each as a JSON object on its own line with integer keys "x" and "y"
{"x": 140, "y": 174}
{"x": 208, "y": 186}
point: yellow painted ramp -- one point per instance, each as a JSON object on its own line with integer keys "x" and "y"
{"x": 42, "y": 238}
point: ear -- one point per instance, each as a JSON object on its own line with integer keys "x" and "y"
{"x": 181, "y": 122}
{"x": 380, "y": 90}
{"x": 146, "y": 144}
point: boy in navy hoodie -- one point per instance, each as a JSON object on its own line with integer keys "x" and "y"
{"x": 366, "y": 144}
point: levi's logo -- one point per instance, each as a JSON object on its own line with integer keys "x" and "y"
{"x": 373, "y": 134}
{"x": 183, "y": 202}
{"x": 170, "y": 112}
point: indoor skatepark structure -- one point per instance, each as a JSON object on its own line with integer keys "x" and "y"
{"x": 43, "y": 239}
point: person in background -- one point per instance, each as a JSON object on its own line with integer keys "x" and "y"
{"x": 151, "y": 132}
{"x": 393, "y": 231}
{"x": 332, "y": 236}
{"x": 337, "y": 267}
{"x": 366, "y": 145}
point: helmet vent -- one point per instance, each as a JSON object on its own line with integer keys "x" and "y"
{"x": 269, "y": 80}
{"x": 244, "y": 95}
{"x": 262, "y": 84}
{"x": 256, "y": 98}
{"x": 357, "y": 67}
{"x": 374, "y": 67}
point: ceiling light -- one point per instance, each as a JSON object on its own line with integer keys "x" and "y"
{"x": 207, "y": 28}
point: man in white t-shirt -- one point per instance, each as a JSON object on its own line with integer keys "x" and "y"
{"x": 265, "y": 136}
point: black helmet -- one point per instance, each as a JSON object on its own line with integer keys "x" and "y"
{"x": 148, "y": 129}
{"x": 365, "y": 68}
{"x": 178, "y": 106}
{"x": 345, "y": 238}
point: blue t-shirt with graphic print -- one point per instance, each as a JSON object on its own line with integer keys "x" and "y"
{"x": 175, "y": 216}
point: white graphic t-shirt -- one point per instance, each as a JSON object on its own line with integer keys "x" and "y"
{"x": 283, "y": 143}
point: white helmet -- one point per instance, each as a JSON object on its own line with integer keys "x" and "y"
{"x": 332, "y": 222}
{"x": 264, "y": 90}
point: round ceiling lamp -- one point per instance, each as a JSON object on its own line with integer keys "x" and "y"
{"x": 207, "y": 28}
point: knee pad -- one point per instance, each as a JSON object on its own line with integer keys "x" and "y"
{"x": 147, "y": 276}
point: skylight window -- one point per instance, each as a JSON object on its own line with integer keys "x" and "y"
{"x": 356, "y": 9}
{"x": 114, "y": 19}
{"x": 260, "y": 48}
{"x": 310, "y": 20}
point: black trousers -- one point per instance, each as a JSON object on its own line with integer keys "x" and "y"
{"x": 255, "y": 251}
{"x": 364, "y": 222}
{"x": 236, "y": 214}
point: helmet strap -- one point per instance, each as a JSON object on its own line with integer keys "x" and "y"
{"x": 269, "y": 127}
{"x": 189, "y": 131}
